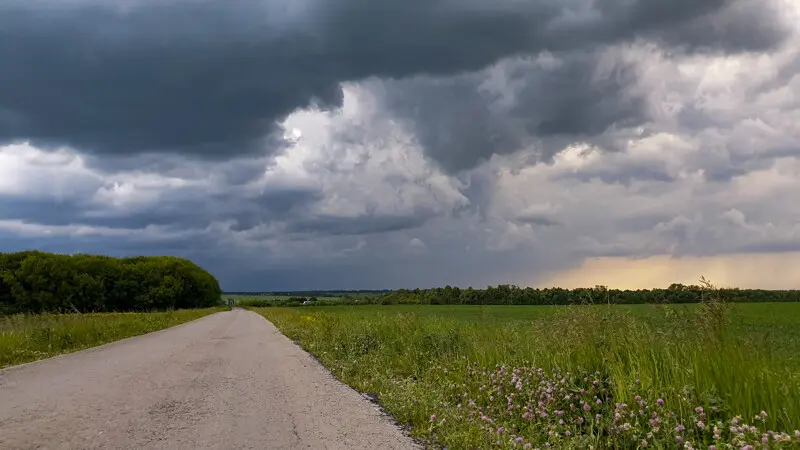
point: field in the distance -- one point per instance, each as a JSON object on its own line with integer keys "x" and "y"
{"x": 30, "y": 337}
{"x": 569, "y": 376}
{"x": 286, "y": 298}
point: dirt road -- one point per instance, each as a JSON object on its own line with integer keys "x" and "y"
{"x": 226, "y": 381}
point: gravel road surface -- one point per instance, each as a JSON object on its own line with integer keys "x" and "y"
{"x": 227, "y": 381}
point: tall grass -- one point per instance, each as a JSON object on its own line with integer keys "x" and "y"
{"x": 29, "y": 337}
{"x": 426, "y": 368}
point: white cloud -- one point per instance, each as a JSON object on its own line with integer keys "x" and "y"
{"x": 27, "y": 171}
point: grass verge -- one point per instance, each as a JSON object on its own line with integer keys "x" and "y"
{"x": 564, "y": 377}
{"x": 27, "y": 337}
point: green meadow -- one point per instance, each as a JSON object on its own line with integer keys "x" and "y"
{"x": 712, "y": 375}
{"x": 29, "y": 337}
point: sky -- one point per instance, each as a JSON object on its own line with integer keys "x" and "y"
{"x": 353, "y": 144}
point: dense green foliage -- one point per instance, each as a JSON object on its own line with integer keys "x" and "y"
{"x": 625, "y": 376}
{"x": 30, "y": 337}
{"x": 513, "y": 295}
{"x": 255, "y": 301}
{"x": 38, "y": 282}
{"x": 299, "y": 298}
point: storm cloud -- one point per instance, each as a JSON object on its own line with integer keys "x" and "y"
{"x": 211, "y": 78}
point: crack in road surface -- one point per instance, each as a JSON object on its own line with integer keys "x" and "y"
{"x": 227, "y": 381}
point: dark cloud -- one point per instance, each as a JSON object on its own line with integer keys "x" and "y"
{"x": 275, "y": 204}
{"x": 235, "y": 172}
{"x": 179, "y": 211}
{"x": 210, "y": 78}
{"x": 385, "y": 268}
{"x": 361, "y": 224}
{"x": 623, "y": 173}
{"x": 45, "y": 211}
{"x": 461, "y": 121}
{"x": 776, "y": 246}
{"x": 538, "y": 220}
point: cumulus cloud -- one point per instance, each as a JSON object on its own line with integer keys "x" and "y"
{"x": 344, "y": 144}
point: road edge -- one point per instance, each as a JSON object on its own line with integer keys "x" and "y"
{"x": 5, "y": 370}
{"x": 375, "y": 402}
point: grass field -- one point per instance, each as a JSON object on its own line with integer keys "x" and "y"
{"x": 25, "y": 338}
{"x": 249, "y": 297}
{"x": 322, "y": 295}
{"x": 687, "y": 376}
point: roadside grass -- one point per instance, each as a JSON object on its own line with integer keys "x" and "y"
{"x": 693, "y": 376}
{"x": 28, "y": 337}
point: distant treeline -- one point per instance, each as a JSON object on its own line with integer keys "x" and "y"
{"x": 289, "y": 301}
{"x": 316, "y": 294}
{"x": 36, "y": 282}
{"x": 514, "y": 295}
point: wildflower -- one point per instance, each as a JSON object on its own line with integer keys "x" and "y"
{"x": 443, "y": 421}
{"x": 680, "y": 428}
{"x": 763, "y": 414}
{"x": 599, "y": 402}
{"x": 712, "y": 447}
{"x": 519, "y": 440}
{"x": 500, "y": 430}
{"x": 597, "y": 417}
{"x": 660, "y": 402}
{"x": 580, "y": 420}
{"x": 643, "y": 444}
{"x": 678, "y": 438}
{"x": 527, "y": 446}
{"x": 649, "y": 435}
{"x": 699, "y": 410}
{"x": 433, "y": 418}
{"x": 586, "y": 407}
{"x": 701, "y": 425}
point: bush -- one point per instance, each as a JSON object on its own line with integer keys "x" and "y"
{"x": 39, "y": 282}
